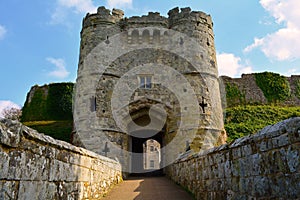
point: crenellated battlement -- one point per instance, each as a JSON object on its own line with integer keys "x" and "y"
{"x": 187, "y": 16}
{"x": 176, "y": 17}
{"x": 103, "y": 16}
{"x": 153, "y": 18}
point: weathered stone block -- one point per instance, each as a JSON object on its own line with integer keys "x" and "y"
{"x": 37, "y": 190}
{"x": 72, "y": 190}
{"x": 9, "y": 189}
{"x": 255, "y": 164}
{"x": 246, "y": 150}
{"x": 292, "y": 187}
{"x": 35, "y": 168}
{"x": 71, "y": 172}
{"x": 236, "y": 153}
{"x": 16, "y": 161}
{"x": 293, "y": 159}
{"x": 261, "y": 186}
{"x": 10, "y": 132}
{"x": 4, "y": 164}
{"x": 228, "y": 168}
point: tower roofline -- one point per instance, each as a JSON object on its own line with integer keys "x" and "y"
{"x": 175, "y": 16}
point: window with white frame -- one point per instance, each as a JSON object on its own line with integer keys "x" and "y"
{"x": 145, "y": 81}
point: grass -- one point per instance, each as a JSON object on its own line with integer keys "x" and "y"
{"x": 60, "y": 130}
{"x": 244, "y": 120}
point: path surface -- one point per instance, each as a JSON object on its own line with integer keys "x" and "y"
{"x": 147, "y": 188}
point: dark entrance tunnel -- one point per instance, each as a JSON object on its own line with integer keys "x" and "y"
{"x": 139, "y": 157}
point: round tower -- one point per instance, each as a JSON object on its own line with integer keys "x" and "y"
{"x": 147, "y": 78}
{"x": 199, "y": 26}
{"x": 98, "y": 27}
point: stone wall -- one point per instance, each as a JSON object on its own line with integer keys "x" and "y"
{"x": 252, "y": 94}
{"x": 35, "y": 166}
{"x": 261, "y": 166}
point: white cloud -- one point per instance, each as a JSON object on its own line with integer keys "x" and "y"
{"x": 119, "y": 3}
{"x": 3, "y": 32}
{"x": 7, "y": 104}
{"x": 283, "y": 44}
{"x": 65, "y": 6}
{"x": 257, "y": 43}
{"x": 230, "y": 65}
{"x": 60, "y": 71}
{"x": 81, "y": 6}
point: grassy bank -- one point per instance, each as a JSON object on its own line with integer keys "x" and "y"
{"x": 60, "y": 130}
{"x": 244, "y": 120}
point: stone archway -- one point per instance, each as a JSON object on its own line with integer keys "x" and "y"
{"x": 138, "y": 138}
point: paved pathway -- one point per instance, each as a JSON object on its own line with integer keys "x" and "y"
{"x": 147, "y": 188}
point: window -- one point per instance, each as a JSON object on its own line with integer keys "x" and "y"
{"x": 151, "y": 163}
{"x": 151, "y": 148}
{"x": 93, "y": 104}
{"x": 145, "y": 81}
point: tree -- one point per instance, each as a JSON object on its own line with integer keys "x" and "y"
{"x": 12, "y": 113}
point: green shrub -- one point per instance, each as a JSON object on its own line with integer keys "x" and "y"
{"x": 275, "y": 87}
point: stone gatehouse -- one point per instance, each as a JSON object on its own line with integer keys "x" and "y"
{"x": 148, "y": 77}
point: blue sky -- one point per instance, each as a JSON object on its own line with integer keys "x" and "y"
{"x": 39, "y": 40}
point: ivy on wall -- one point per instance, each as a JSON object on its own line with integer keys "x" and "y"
{"x": 36, "y": 108}
{"x": 233, "y": 95}
{"x": 49, "y": 102}
{"x": 275, "y": 87}
{"x": 59, "y": 101}
{"x": 297, "y": 91}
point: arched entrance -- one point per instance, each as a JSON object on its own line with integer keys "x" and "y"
{"x": 147, "y": 156}
{"x": 146, "y": 144}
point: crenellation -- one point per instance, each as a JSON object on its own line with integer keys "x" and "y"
{"x": 198, "y": 17}
{"x": 173, "y": 12}
{"x": 102, "y": 11}
{"x": 152, "y": 18}
{"x": 103, "y": 17}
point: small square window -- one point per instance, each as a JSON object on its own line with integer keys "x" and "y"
{"x": 145, "y": 81}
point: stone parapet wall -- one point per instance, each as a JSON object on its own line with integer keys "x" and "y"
{"x": 261, "y": 166}
{"x": 35, "y": 166}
